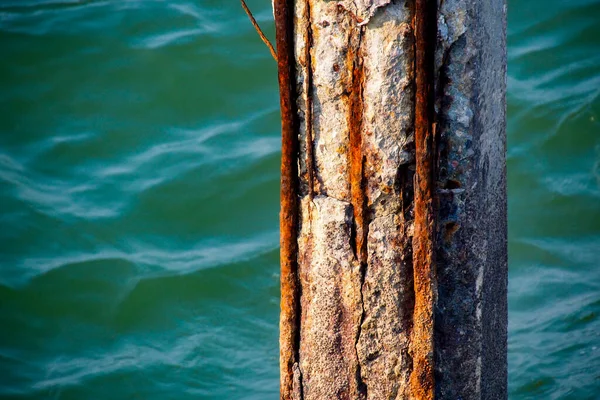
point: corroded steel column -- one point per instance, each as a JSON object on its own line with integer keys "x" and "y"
{"x": 393, "y": 202}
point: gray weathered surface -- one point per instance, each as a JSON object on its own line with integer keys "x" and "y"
{"x": 331, "y": 300}
{"x": 471, "y": 313}
{"x": 387, "y": 143}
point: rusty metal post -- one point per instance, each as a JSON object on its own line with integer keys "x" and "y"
{"x": 290, "y": 290}
{"x": 393, "y": 199}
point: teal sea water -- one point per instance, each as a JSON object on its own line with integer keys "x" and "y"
{"x": 139, "y": 152}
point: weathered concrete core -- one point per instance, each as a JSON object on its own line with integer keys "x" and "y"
{"x": 393, "y": 219}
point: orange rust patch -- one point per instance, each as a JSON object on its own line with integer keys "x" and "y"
{"x": 357, "y": 192}
{"x": 422, "y": 384}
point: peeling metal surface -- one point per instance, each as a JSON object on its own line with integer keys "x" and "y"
{"x": 383, "y": 274}
{"x": 331, "y": 80}
{"x": 330, "y": 272}
{"x": 369, "y": 113}
{"x": 363, "y": 10}
{"x": 331, "y": 311}
{"x": 387, "y": 292}
{"x": 388, "y": 148}
{"x": 388, "y": 122}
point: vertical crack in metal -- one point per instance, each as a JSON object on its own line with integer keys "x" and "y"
{"x": 290, "y": 315}
{"x": 422, "y": 383}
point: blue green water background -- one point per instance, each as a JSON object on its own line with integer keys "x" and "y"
{"x": 139, "y": 152}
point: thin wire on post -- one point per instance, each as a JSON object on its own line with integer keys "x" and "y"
{"x": 258, "y": 30}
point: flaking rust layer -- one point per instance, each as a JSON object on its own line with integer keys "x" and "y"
{"x": 331, "y": 301}
{"x": 388, "y": 149}
{"x": 355, "y": 102}
{"x": 329, "y": 270}
{"x": 331, "y": 30}
{"x": 355, "y": 67}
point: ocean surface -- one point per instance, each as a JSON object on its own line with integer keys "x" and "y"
{"x": 139, "y": 174}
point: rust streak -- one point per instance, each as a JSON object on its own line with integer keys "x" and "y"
{"x": 289, "y": 318}
{"x": 355, "y": 125}
{"x": 422, "y": 385}
{"x": 310, "y": 158}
